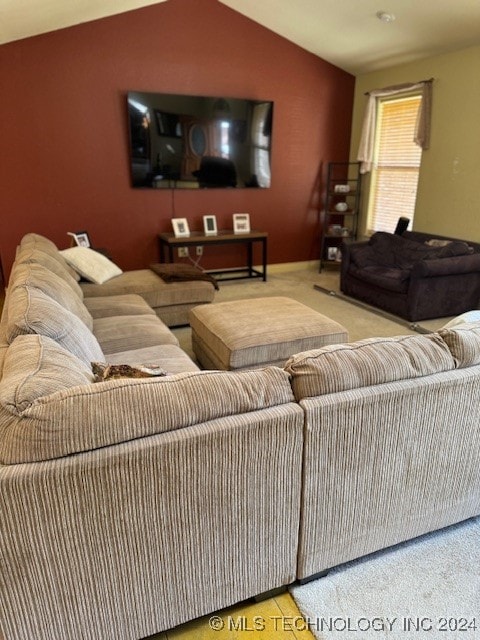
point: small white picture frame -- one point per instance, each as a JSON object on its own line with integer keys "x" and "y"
{"x": 332, "y": 253}
{"x": 210, "y": 225}
{"x": 180, "y": 227}
{"x": 80, "y": 238}
{"x": 241, "y": 223}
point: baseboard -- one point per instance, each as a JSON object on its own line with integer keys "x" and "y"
{"x": 281, "y": 267}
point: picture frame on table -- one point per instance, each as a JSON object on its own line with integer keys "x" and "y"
{"x": 241, "y": 223}
{"x": 80, "y": 238}
{"x": 210, "y": 225}
{"x": 180, "y": 227}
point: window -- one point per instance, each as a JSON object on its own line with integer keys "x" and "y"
{"x": 396, "y": 164}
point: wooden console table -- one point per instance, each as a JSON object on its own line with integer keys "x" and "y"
{"x": 168, "y": 242}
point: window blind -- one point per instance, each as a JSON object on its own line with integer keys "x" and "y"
{"x": 396, "y": 164}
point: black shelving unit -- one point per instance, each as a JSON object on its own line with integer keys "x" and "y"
{"x": 342, "y": 206}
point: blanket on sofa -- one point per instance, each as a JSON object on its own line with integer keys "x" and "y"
{"x": 181, "y": 272}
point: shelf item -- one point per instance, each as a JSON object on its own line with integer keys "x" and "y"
{"x": 340, "y": 214}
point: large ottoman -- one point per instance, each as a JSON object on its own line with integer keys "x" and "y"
{"x": 258, "y": 332}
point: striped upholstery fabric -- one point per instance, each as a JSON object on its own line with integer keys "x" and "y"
{"x": 167, "y": 356}
{"x": 124, "y": 305}
{"x": 123, "y": 333}
{"x": 30, "y": 255}
{"x": 35, "y": 241}
{"x": 124, "y": 542}
{"x": 367, "y": 362}
{"x": 464, "y": 343}
{"x": 35, "y": 275}
{"x": 31, "y": 311}
{"x": 36, "y": 366}
{"x": 259, "y": 331}
{"x": 388, "y": 463}
{"x": 98, "y": 415}
{"x": 153, "y": 289}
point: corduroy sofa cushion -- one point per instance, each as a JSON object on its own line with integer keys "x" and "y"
{"x": 36, "y": 241}
{"x": 123, "y": 333}
{"x": 29, "y": 255}
{"x": 32, "y": 311}
{"x": 129, "y": 304}
{"x": 367, "y": 362}
{"x": 37, "y": 366}
{"x": 463, "y": 340}
{"x": 90, "y": 416}
{"x": 35, "y": 275}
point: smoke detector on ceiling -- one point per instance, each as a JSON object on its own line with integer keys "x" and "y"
{"x": 384, "y": 16}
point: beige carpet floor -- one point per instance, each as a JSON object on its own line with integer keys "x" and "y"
{"x": 423, "y": 589}
{"x": 298, "y": 283}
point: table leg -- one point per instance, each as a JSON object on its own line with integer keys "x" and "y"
{"x": 264, "y": 256}
{"x": 250, "y": 258}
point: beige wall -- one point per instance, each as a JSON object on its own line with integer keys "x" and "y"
{"x": 448, "y": 201}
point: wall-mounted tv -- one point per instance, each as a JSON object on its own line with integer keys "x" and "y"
{"x": 199, "y": 142}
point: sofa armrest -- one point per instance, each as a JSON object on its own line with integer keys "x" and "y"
{"x": 446, "y": 266}
{"x": 349, "y": 249}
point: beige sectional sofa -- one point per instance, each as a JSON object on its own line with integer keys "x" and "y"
{"x": 131, "y": 505}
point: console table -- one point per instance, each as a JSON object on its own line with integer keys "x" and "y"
{"x": 168, "y": 242}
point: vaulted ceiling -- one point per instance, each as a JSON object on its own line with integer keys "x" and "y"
{"x": 347, "y": 33}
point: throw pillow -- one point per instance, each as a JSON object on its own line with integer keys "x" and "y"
{"x": 90, "y": 264}
{"x": 105, "y": 371}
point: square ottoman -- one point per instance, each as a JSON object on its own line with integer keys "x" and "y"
{"x": 258, "y": 332}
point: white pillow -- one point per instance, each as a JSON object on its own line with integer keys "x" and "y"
{"x": 90, "y": 264}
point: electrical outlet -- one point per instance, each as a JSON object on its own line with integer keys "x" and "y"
{"x": 199, "y": 250}
{"x": 183, "y": 252}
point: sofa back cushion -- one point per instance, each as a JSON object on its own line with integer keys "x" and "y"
{"x": 36, "y": 241}
{"x": 34, "y": 275}
{"x": 463, "y": 340}
{"x": 32, "y": 311}
{"x": 367, "y": 362}
{"x": 89, "y": 416}
{"x": 36, "y": 366}
{"x": 30, "y": 255}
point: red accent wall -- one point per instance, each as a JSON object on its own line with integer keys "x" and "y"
{"x": 64, "y": 140}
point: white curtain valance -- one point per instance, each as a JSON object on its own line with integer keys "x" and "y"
{"x": 422, "y": 129}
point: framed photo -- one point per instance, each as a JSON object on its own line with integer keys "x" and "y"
{"x": 80, "y": 238}
{"x": 332, "y": 253}
{"x": 210, "y": 225}
{"x": 241, "y": 223}
{"x": 180, "y": 227}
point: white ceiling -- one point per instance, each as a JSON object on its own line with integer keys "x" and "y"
{"x": 347, "y": 33}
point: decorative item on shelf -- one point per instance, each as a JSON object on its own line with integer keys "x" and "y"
{"x": 332, "y": 253}
{"x": 334, "y": 230}
{"x": 345, "y": 232}
{"x": 342, "y": 188}
{"x": 80, "y": 238}
{"x": 241, "y": 223}
{"x": 210, "y": 225}
{"x": 180, "y": 227}
{"x": 341, "y": 206}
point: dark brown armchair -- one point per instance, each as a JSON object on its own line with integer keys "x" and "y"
{"x": 414, "y": 275}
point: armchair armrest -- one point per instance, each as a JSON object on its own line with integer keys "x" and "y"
{"x": 348, "y": 249}
{"x": 446, "y": 266}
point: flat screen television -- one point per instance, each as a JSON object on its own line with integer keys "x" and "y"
{"x": 199, "y": 142}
